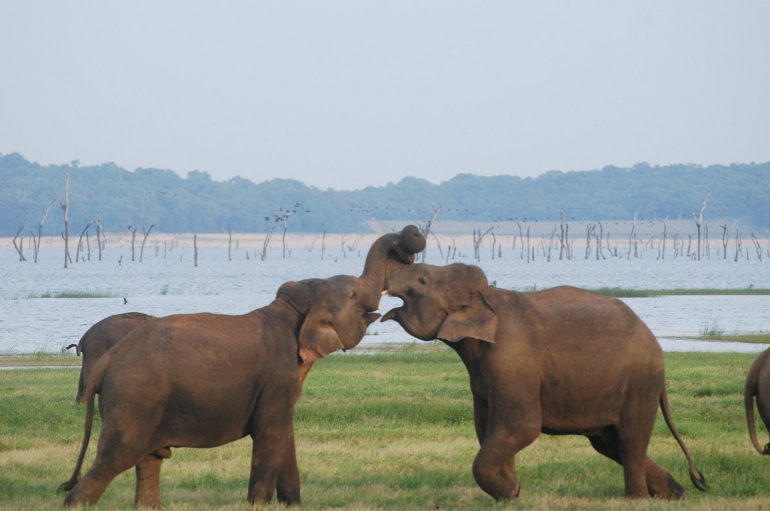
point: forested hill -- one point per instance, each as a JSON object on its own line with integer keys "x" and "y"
{"x": 198, "y": 204}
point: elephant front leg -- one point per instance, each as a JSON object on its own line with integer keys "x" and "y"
{"x": 495, "y": 466}
{"x": 272, "y": 434}
{"x": 288, "y": 487}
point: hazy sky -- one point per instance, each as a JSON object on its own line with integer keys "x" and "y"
{"x": 346, "y": 94}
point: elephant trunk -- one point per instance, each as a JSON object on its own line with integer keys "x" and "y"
{"x": 391, "y": 252}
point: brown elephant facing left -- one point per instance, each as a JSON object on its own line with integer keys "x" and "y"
{"x": 204, "y": 380}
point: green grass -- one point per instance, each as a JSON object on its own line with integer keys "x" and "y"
{"x": 619, "y": 292}
{"x": 395, "y": 431}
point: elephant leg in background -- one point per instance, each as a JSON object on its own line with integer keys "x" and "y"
{"x": 660, "y": 483}
{"x": 287, "y": 487}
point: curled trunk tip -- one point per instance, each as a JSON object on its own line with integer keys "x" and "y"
{"x": 411, "y": 240}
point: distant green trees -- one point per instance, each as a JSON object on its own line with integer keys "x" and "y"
{"x": 199, "y": 204}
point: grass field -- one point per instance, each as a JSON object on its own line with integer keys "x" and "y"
{"x": 395, "y": 431}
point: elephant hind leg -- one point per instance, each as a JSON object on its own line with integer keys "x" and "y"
{"x": 660, "y": 483}
{"x": 148, "y": 479}
{"x": 90, "y": 488}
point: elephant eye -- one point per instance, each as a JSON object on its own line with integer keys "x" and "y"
{"x": 422, "y": 281}
{"x": 354, "y": 295}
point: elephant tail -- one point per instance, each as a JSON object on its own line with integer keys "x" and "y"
{"x": 94, "y": 383}
{"x": 749, "y": 392}
{"x": 76, "y": 346}
{"x": 698, "y": 479}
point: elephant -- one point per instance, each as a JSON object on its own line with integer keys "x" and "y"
{"x": 101, "y": 337}
{"x": 758, "y": 385}
{"x": 559, "y": 361}
{"x": 204, "y": 380}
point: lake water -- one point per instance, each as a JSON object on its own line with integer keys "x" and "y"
{"x": 173, "y": 285}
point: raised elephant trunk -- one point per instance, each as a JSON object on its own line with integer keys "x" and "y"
{"x": 391, "y": 252}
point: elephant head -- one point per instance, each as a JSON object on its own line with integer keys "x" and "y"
{"x": 338, "y": 310}
{"x": 448, "y": 303}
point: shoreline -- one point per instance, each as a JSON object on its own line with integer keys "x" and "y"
{"x": 362, "y": 241}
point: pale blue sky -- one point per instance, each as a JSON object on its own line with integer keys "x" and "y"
{"x": 346, "y": 94}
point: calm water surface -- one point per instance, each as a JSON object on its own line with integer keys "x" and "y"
{"x": 173, "y": 285}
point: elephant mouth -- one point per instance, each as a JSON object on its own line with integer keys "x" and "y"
{"x": 371, "y": 317}
{"x": 397, "y": 311}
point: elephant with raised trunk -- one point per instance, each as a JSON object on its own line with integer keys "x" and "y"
{"x": 203, "y": 380}
{"x": 561, "y": 361}
{"x": 758, "y": 386}
{"x": 100, "y": 338}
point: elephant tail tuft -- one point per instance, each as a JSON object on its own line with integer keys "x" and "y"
{"x": 698, "y": 480}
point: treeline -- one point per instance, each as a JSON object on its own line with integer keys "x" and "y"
{"x": 739, "y": 192}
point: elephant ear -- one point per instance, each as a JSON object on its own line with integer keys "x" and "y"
{"x": 473, "y": 318}
{"x": 317, "y": 337}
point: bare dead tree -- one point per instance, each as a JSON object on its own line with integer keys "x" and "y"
{"x": 266, "y": 243}
{"x": 494, "y": 242}
{"x": 590, "y": 230}
{"x": 699, "y": 220}
{"x": 562, "y": 237}
{"x": 631, "y": 237}
{"x": 285, "y": 219}
{"x": 132, "y": 230}
{"x": 425, "y": 228}
{"x": 757, "y": 246}
{"x": 144, "y": 240}
{"x": 229, "y": 243}
{"x": 323, "y": 244}
{"x": 477, "y": 242}
{"x": 99, "y": 234}
{"x": 438, "y": 244}
{"x": 40, "y": 227}
{"x": 598, "y": 238}
{"x": 528, "y": 246}
{"x": 65, "y": 206}
{"x": 20, "y": 247}
{"x": 195, "y": 249}
{"x": 80, "y": 241}
{"x": 352, "y": 247}
{"x": 88, "y": 246}
{"x": 521, "y": 235}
